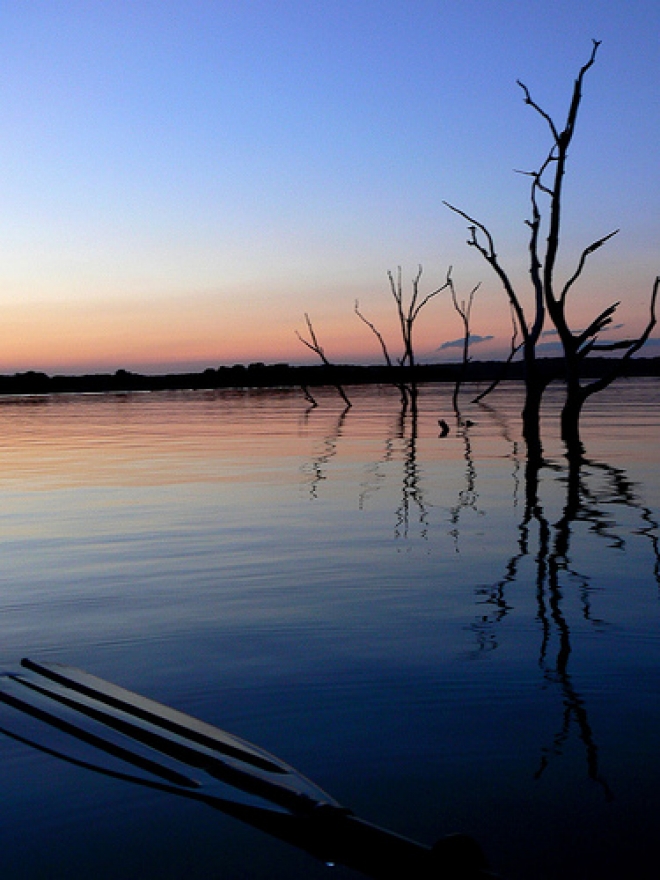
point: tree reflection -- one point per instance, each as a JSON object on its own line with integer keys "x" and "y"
{"x": 412, "y": 496}
{"x": 467, "y": 497}
{"x": 402, "y": 438}
{"x": 592, "y": 488}
{"x": 593, "y": 495}
{"x": 552, "y": 562}
{"x": 316, "y": 469}
{"x": 400, "y": 441}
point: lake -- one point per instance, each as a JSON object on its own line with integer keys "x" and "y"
{"x": 439, "y": 639}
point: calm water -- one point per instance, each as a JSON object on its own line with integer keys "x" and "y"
{"x": 388, "y": 611}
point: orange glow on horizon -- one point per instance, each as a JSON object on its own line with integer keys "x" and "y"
{"x": 183, "y": 336}
{"x": 193, "y": 333}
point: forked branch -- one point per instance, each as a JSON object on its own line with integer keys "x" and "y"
{"x": 631, "y": 348}
{"x": 408, "y": 315}
{"x": 597, "y": 325}
{"x": 489, "y": 254}
{"x": 562, "y": 139}
{"x": 314, "y": 345}
{"x": 464, "y": 310}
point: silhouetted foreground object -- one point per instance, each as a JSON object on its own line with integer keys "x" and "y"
{"x": 176, "y": 753}
{"x": 552, "y": 296}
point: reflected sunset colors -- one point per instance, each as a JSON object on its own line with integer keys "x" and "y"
{"x": 438, "y": 634}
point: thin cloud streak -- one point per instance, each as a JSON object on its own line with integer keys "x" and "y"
{"x": 474, "y": 339}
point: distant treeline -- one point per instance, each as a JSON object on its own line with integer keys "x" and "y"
{"x": 259, "y": 375}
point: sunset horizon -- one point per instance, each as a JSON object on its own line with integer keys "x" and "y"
{"x": 183, "y": 183}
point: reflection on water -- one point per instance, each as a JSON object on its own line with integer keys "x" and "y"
{"x": 317, "y": 465}
{"x": 240, "y": 558}
{"x": 468, "y": 496}
{"x": 595, "y": 491}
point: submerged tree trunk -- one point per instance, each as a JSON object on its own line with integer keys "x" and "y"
{"x": 536, "y": 381}
{"x": 570, "y": 423}
{"x": 464, "y": 311}
{"x": 576, "y": 395}
{"x": 531, "y": 419}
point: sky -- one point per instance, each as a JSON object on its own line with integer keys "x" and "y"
{"x": 180, "y": 182}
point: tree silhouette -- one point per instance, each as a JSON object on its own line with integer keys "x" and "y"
{"x": 576, "y": 345}
{"x": 407, "y": 314}
{"x": 536, "y": 380}
{"x": 315, "y": 346}
{"x": 464, "y": 311}
{"x": 549, "y": 294}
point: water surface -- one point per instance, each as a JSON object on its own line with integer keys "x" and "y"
{"x": 440, "y": 639}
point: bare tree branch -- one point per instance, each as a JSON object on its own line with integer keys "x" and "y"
{"x": 316, "y": 347}
{"x": 618, "y": 365}
{"x": 567, "y": 134}
{"x": 314, "y": 344}
{"x": 535, "y": 264}
{"x": 464, "y": 310}
{"x": 548, "y": 119}
{"x": 597, "y": 325}
{"x": 583, "y": 259}
{"x": 376, "y": 332}
{"x": 562, "y": 141}
{"x": 428, "y": 298}
{"x": 642, "y": 340}
{"x": 515, "y": 348}
{"x": 489, "y": 254}
{"x": 577, "y": 92}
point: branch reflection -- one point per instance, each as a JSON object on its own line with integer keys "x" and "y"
{"x": 592, "y": 490}
{"x": 412, "y": 496}
{"x": 591, "y": 498}
{"x": 401, "y": 441}
{"x": 317, "y": 466}
{"x": 467, "y": 497}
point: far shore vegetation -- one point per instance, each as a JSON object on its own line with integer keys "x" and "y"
{"x": 282, "y": 375}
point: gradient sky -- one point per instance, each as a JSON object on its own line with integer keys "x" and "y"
{"x": 181, "y": 181}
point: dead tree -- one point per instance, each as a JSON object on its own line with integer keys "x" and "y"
{"x": 407, "y": 314}
{"x": 536, "y": 380}
{"x": 549, "y": 295}
{"x": 578, "y": 347}
{"x": 576, "y": 344}
{"x": 394, "y": 368}
{"x": 313, "y": 344}
{"x": 513, "y": 351}
{"x": 464, "y": 310}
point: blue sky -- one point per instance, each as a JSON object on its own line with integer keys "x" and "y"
{"x": 181, "y": 181}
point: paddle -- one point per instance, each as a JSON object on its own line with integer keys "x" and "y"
{"x": 193, "y": 759}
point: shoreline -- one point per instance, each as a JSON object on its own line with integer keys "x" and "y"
{"x": 260, "y": 375}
